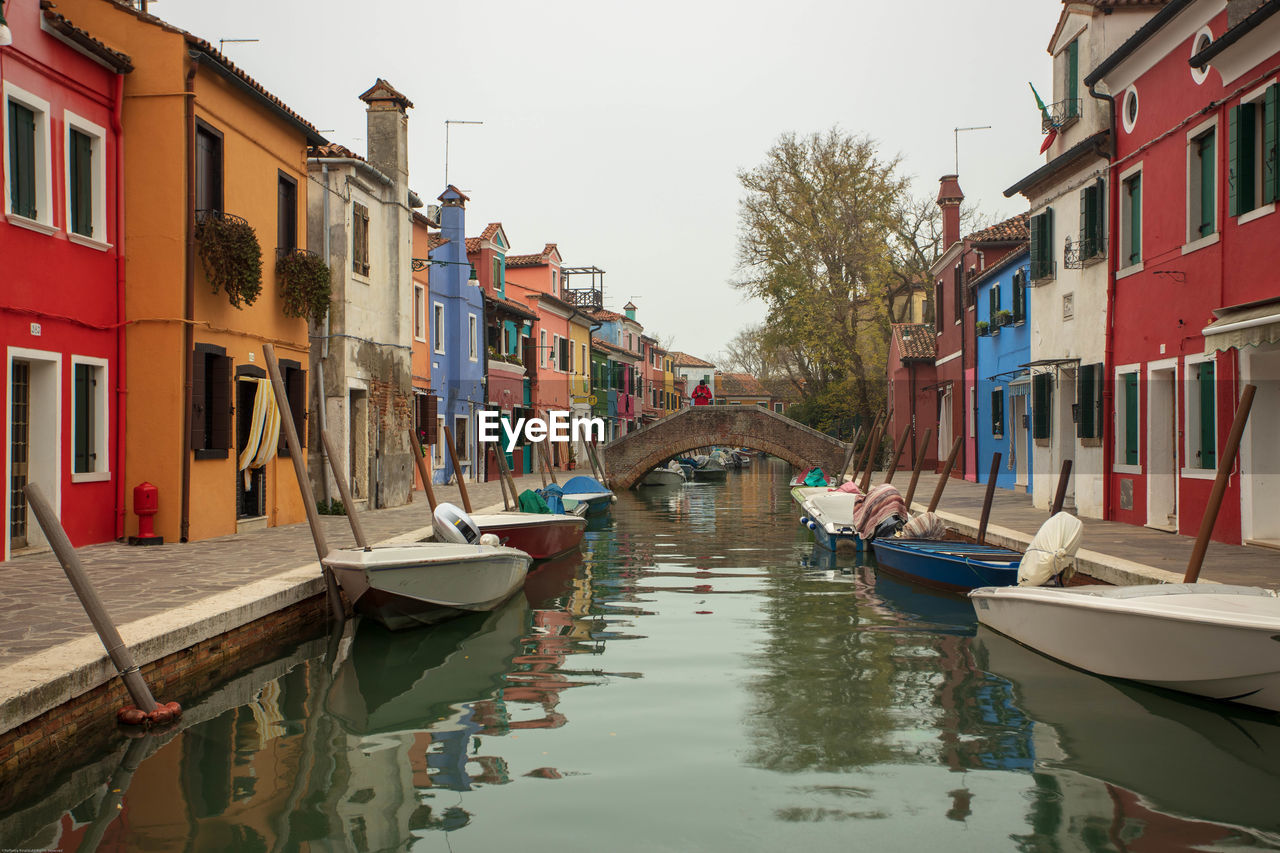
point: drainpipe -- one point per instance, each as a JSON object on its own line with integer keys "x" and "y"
{"x": 1108, "y": 357}
{"x": 324, "y": 343}
{"x": 122, "y": 389}
{"x": 189, "y": 295}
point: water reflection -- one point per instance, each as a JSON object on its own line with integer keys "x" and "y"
{"x": 700, "y": 677}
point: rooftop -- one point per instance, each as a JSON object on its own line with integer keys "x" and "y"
{"x": 1013, "y": 230}
{"x": 916, "y": 341}
{"x": 683, "y": 359}
{"x": 739, "y": 385}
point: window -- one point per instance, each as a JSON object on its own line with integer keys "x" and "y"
{"x": 1093, "y": 240}
{"x": 1202, "y": 416}
{"x": 1129, "y": 109}
{"x": 1253, "y": 173}
{"x": 938, "y": 291}
{"x": 1201, "y": 42}
{"x": 1201, "y": 186}
{"x": 555, "y": 282}
{"x": 1020, "y": 295}
{"x": 1041, "y": 404}
{"x": 582, "y": 362}
{"x": 1042, "y": 265}
{"x": 424, "y": 418}
{"x": 997, "y": 413}
{"x": 208, "y": 168}
{"x": 542, "y": 348}
{"x": 88, "y": 419}
{"x": 438, "y": 456}
{"x": 993, "y": 300}
{"x": 957, "y": 292}
{"x": 498, "y": 283}
{"x": 1127, "y": 418}
{"x": 1072, "y": 87}
{"x": 1089, "y": 399}
{"x": 86, "y": 179}
{"x": 359, "y": 238}
{"x": 437, "y": 326}
{"x": 462, "y": 439}
{"x": 295, "y": 392}
{"x": 473, "y": 352}
{"x": 286, "y": 213}
{"x": 565, "y": 347}
{"x": 210, "y": 402}
{"x": 27, "y": 160}
{"x": 419, "y": 313}
{"x": 777, "y": 407}
{"x": 1131, "y": 221}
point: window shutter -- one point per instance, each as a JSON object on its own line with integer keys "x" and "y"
{"x": 81, "y": 166}
{"x": 360, "y": 239}
{"x": 1036, "y": 250}
{"x": 1041, "y": 400}
{"x": 938, "y": 292}
{"x": 1046, "y": 257}
{"x": 564, "y": 354}
{"x": 199, "y": 412}
{"x": 295, "y": 391}
{"x": 1270, "y": 140}
{"x": 22, "y": 160}
{"x": 1208, "y": 161}
{"x": 1019, "y": 296}
{"x": 1131, "y": 419}
{"x": 219, "y": 379}
{"x": 993, "y": 302}
{"x": 1073, "y": 78}
{"x": 83, "y": 407}
{"x": 1208, "y": 427}
{"x": 1240, "y": 165}
{"x": 1084, "y": 395}
{"x": 1134, "y": 255}
{"x": 997, "y": 412}
{"x": 957, "y": 291}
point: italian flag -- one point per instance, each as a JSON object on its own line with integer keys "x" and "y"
{"x": 1044, "y": 114}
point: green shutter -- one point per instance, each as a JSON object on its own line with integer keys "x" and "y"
{"x": 1130, "y": 419}
{"x": 997, "y": 412}
{"x": 1133, "y": 253}
{"x": 1091, "y": 221}
{"x": 1041, "y": 401}
{"x": 1208, "y": 425}
{"x": 1084, "y": 398}
{"x": 1046, "y": 256}
{"x": 81, "y": 180}
{"x": 993, "y": 302}
{"x": 1073, "y": 79}
{"x": 83, "y": 417}
{"x": 1035, "y": 246}
{"x": 1208, "y": 162}
{"x": 1240, "y": 164}
{"x": 22, "y": 160}
{"x": 1270, "y": 138}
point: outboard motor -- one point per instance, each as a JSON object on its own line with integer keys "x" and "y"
{"x": 887, "y": 528}
{"x": 453, "y": 525}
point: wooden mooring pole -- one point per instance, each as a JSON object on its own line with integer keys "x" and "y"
{"x": 1225, "y": 464}
{"x": 344, "y": 490}
{"x": 1060, "y": 496}
{"x": 946, "y": 473}
{"x": 988, "y": 497}
{"x": 915, "y": 473}
{"x": 423, "y": 471}
{"x": 873, "y": 448}
{"x": 119, "y": 653}
{"x": 897, "y": 455}
{"x": 457, "y": 469}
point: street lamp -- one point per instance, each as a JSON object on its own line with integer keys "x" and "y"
{"x": 6, "y": 35}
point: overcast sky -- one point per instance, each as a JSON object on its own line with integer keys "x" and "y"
{"x": 616, "y": 130}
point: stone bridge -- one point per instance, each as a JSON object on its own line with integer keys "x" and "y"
{"x": 629, "y": 458}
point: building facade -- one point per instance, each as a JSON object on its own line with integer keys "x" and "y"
{"x": 1005, "y": 381}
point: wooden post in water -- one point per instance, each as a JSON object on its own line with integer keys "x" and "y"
{"x": 1225, "y": 465}
{"x": 423, "y": 471}
{"x": 340, "y": 480}
{"x": 504, "y": 474}
{"x": 902, "y": 445}
{"x": 915, "y": 473}
{"x": 298, "y": 454}
{"x": 987, "y": 498}
{"x": 866, "y": 448}
{"x": 119, "y": 653}
{"x": 873, "y": 448}
{"x": 838, "y": 479}
{"x": 946, "y": 473}
{"x": 1060, "y": 496}
{"x": 546, "y": 462}
{"x": 457, "y": 469}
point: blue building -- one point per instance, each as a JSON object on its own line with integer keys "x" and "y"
{"x": 457, "y": 339}
{"x": 1004, "y": 382}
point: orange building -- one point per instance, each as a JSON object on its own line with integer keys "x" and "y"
{"x": 206, "y": 145}
{"x": 426, "y": 237}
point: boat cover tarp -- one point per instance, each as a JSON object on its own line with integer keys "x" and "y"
{"x": 925, "y": 526}
{"x": 531, "y": 501}
{"x": 554, "y": 496}
{"x": 879, "y": 505}
{"x": 815, "y": 477}
{"x": 849, "y": 488}
{"x": 1052, "y": 549}
{"x": 581, "y": 485}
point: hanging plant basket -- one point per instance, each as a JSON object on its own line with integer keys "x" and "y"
{"x": 306, "y": 285}
{"x": 230, "y": 254}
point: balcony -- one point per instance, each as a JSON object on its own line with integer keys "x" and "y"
{"x": 1060, "y": 114}
{"x": 1085, "y": 251}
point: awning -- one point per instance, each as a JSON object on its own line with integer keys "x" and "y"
{"x": 1241, "y": 326}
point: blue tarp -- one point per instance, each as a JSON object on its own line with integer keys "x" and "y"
{"x": 815, "y": 477}
{"x": 553, "y": 495}
{"x": 581, "y": 485}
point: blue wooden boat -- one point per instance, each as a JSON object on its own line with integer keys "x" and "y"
{"x": 584, "y": 490}
{"x": 829, "y": 515}
{"x": 957, "y": 566}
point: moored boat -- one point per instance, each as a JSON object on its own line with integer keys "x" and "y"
{"x": 829, "y": 515}
{"x": 957, "y": 566}
{"x": 585, "y": 490}
{"x": 539, "y": 535}
{"x": 1212, "y": 640}
{"x": 671, "y": 475}
{"x": 709, "y": 468}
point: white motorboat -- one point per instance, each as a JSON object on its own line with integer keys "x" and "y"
{"x": 1217, "y": 641}
{"x": 671, "y": 475}
{"x": 423, "y": 582}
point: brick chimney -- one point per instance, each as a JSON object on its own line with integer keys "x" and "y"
{"x": 388, "y": 131}
{"x": 949, "y": 198}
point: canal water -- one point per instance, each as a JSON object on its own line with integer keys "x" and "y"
{"x": 698, "y": 679}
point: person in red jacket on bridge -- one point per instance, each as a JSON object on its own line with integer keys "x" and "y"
{"x": 702, "y": 394}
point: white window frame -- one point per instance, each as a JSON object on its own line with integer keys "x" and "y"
{"x": 437, "y": 313}
{"x": 1192, "y": 239}
{"x": 1255, "y": 97}
{"x": 1125, "y": 219}
{"x": 1191, "y": 417}
{"x": 1199, "y": 74}
{"x": 98, "y": 162}
{"x": 473, "y": 350}
{"x": 102, "y": 425}
{"x": 437, "y": 451}
{"x": 1121, "y": 424}
{"x": 419, "y": 313}
{"x": 777, "y": 407}
{"x": 43, "y": 222}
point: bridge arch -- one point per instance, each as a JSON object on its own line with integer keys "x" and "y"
{"x": 629, "y": 458}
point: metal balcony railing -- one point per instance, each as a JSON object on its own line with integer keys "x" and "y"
{"x": 1060, "y": 113}
{"x": 1086, "y": 250}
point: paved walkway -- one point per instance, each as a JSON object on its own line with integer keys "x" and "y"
{"x": 1013, "y": 517}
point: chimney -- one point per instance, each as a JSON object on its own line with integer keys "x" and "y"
{"x": 949, "y": 198}
{"x": 388, "y": 132}
{"x": 630, "y": 310}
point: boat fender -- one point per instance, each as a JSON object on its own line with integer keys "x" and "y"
{"x": 453, "y": 525}
{"x": 490, "y": 539}
{"x": 804, "y": 520}
{"x": 812, "y": 525}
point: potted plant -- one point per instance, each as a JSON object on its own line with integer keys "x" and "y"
{"x": 1004, "y": 317}
{"x": 983, "y": 328}
{"x": 231, "y": 256}
{"x": 305, "y": 284}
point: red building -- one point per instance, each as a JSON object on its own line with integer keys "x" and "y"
{"x": 1195, "y": 298}
{"x": 653, "y": 382}
{"x": 953, "y": 305}
{"x": 61, "y": 305}
{"x": 912, "y": 383}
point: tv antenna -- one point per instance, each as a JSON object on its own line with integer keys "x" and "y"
{"x": 447, "y": 123}
{"x": 960, "y": 130}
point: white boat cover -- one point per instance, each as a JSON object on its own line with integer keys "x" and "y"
{"x": 1052, "y": 549}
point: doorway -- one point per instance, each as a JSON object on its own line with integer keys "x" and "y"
{"x": 945, "y": 437}
{"x": 1162, "y": 446}
{"x": 251, "y": 483}
{"x": 1260, "y": 451}
{"x": 358, "y": 443}
{"x": 1065, "y": 432}
{"x": 1021, "y": 457}
{"x": 33, "y": 441}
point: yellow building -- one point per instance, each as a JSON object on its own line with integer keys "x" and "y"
{"x": 671, "y": 401}
{"x": 207, "y": 147}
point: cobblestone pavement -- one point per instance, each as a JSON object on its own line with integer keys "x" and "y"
{"x": 39, "y": 610}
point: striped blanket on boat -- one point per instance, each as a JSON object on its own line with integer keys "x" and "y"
{"x": 878, "y": 506}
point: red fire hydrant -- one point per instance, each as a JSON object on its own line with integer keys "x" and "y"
{"x": 146, "y": 503}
